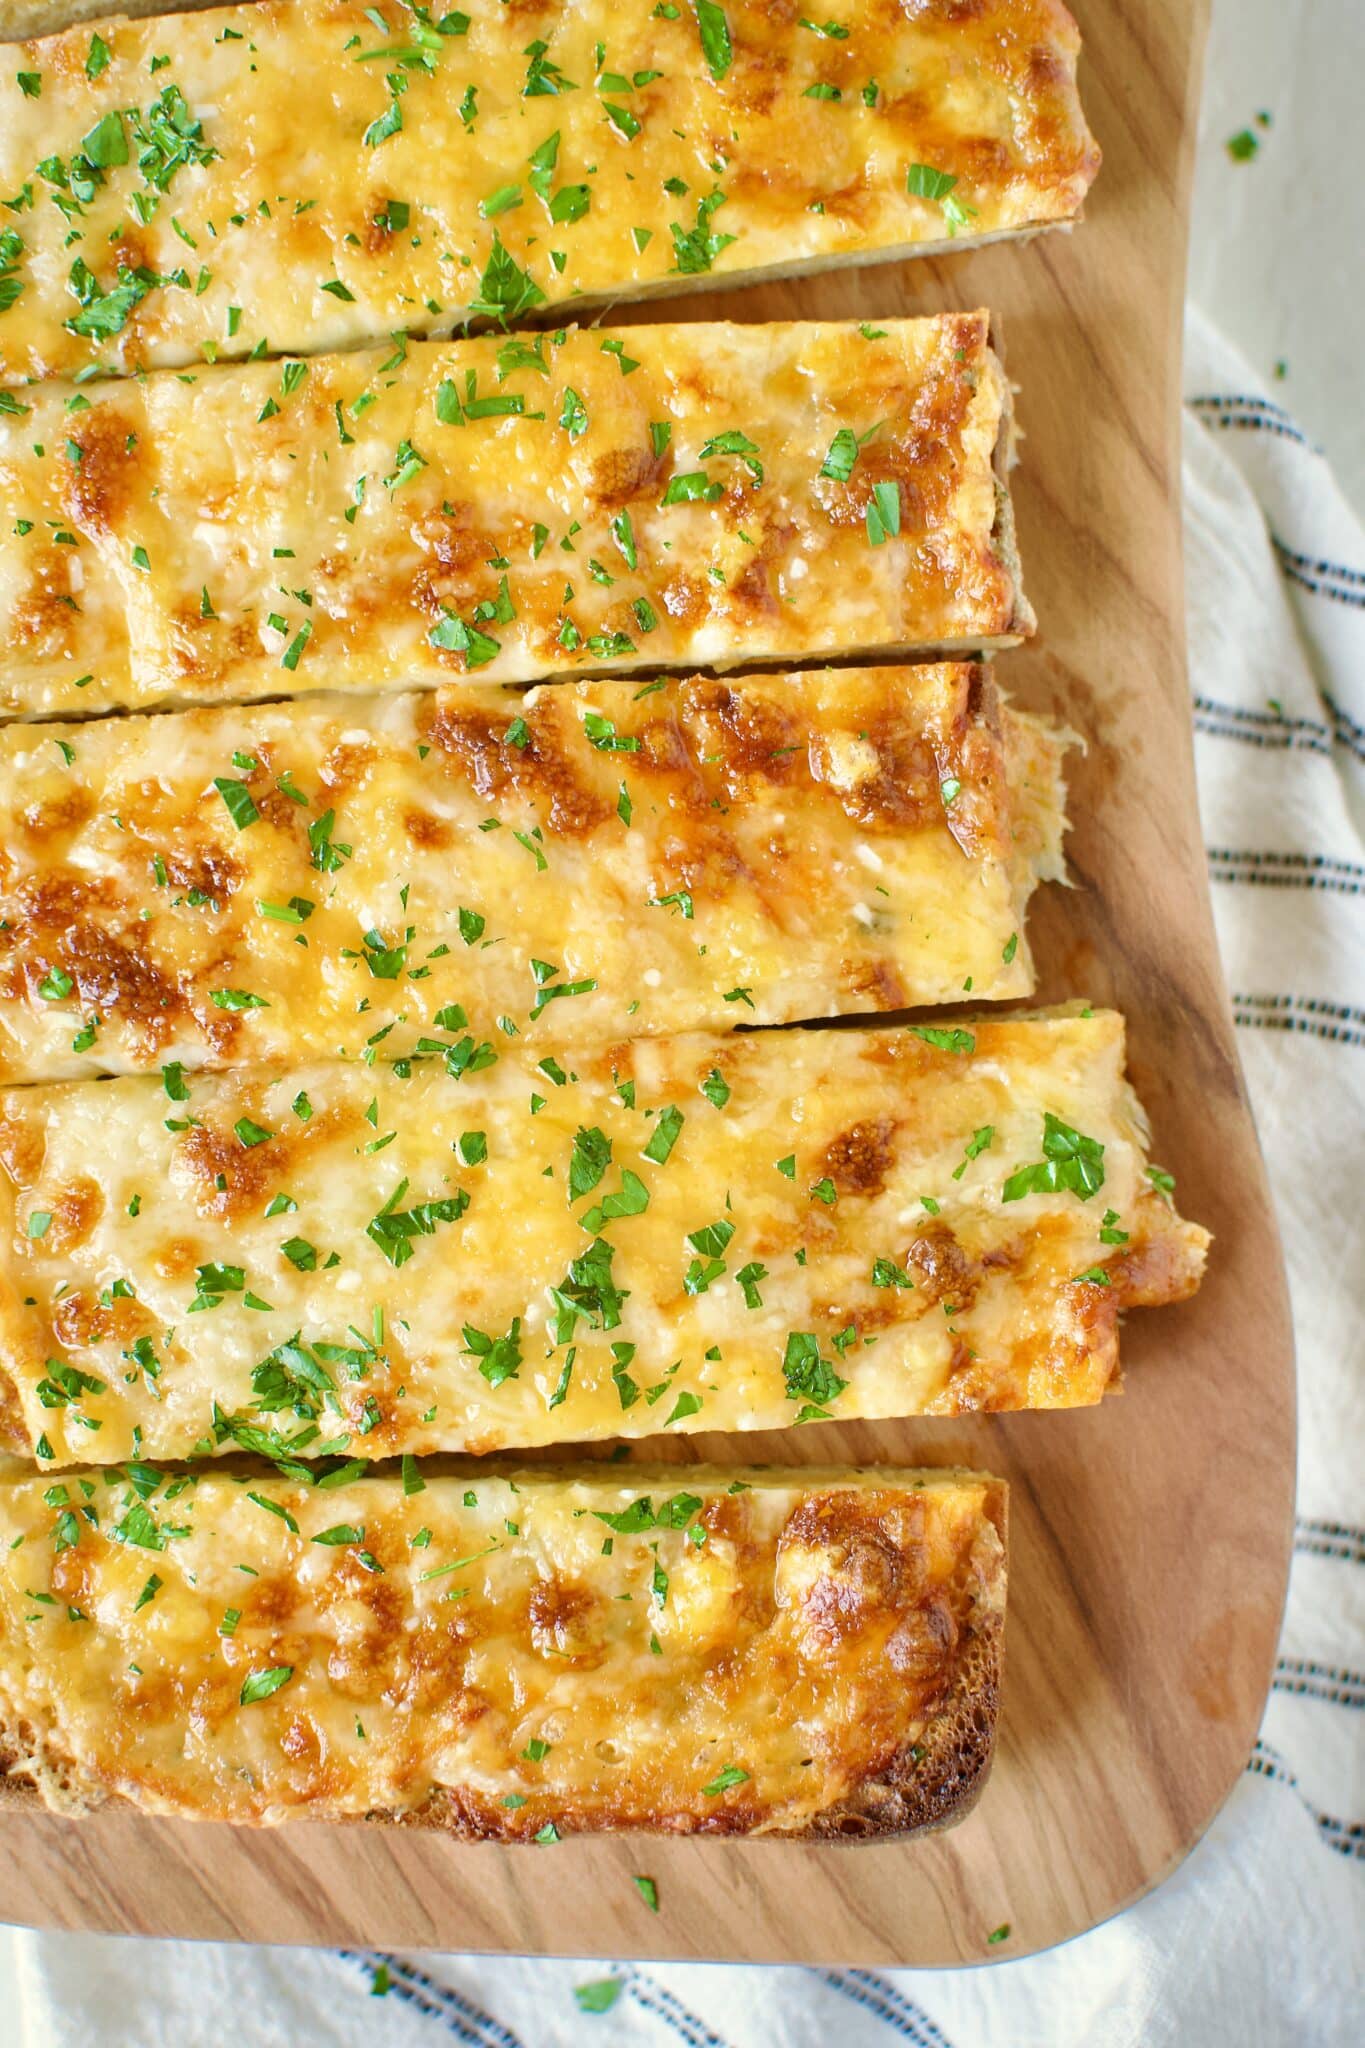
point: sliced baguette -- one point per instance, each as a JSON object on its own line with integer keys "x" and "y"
{"x": 508, "y": 1656}
{"x": 832, "y": 841}
{"x": 528, "y": 157}
{"x": 681, "y": 496}
{"x": 671, "y": 1234}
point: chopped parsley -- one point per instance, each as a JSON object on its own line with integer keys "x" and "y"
{"x": 506, "y": 291}
{"x": 259, "y": 1685}
{"x": 1070, "y": 1160}
{"x": 723, "y": 1780}
{"x": 810, "y": 1378}
{"x": 665, "y": 1135}
{"x": 499, "y": 1357}
{"x": 695, "y": 249}
{"x": 922, "y": 181}
{"x": 716, "y": 46}
{"x": 602, "y": 1993}
{"x": 716, "y": 1088}
{"x": 883, "y": 513}
{"x": 394, "y": 1229}
{"x": 945, "y": 1040}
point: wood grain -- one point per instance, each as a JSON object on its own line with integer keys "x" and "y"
{"x": 1151, "y": 1536}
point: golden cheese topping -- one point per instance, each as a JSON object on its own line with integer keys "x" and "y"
{"x": 307, "y": 174}
{"x": 524, "y": 507}
{"x": 513, "y": 1656}
{"x": 366, "y": 870}
{"x": 493, "y": 1246}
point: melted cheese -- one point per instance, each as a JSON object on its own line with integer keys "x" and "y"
{"x": 333, "y": 183}
{"x": 344, "y": 523}
{"x": 494, "y": 1249}
{"x": 483, "y": 1652}
{"x": 846, "y": 840}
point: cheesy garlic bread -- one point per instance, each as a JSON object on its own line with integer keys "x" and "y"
{"x": 293, "y": 881}
{"x": 653, "y": 496}
{"x": 510, "y": 1656}
{"x": 491, "y": 1246}
{"x": 303, "y": 175}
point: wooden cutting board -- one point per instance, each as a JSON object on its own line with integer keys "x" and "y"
{"x": 1150, "y": 1539}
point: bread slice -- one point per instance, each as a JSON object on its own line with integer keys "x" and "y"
{"x": 836, "y": 840}
{"x": 496, "y": 1246}
{"x": 296, "y": 178}
{"x": 702, "y": 496}
{"x": 510, "y": 1656}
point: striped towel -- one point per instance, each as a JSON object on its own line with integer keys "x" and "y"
{"x": 1260, "y": 1937}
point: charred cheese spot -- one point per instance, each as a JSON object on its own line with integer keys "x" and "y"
{"x": 56, "y": 817}
{"x": 82, "y": 1320}
{"x": 76, "y": 1208}
{"x": 51, "y": 901}
{"x": 101, "y": 468}
{"x": 541, "y": 772}
{"x": 1096, "y": 1313}
{"x": 563, "y": 1620}
{"x": 114, "y": 973}
{"x": 43, "y": 622}
{"x": 437, "y": 1659}
{"x": 21, "y": 1150}
{"x": 66, "y": 923}
{"x": 849, "y": 1566}
{"x": 922, "y": 1645}
{"x": 859, "y": 1160}
{"x": 845, "y": 1601}
{"x": 920, "y": 464}
{"x": 75, "y": 1575}
{"x": 374, "y": 1412}
{"x": 226, "y": 1179}
{"x": 346, "y": 768}
{"x": 879, "y": 981}
{"x": 270, "y": 1603}
{"x": 206, "y": 652}
{"x": 453, "y": 544}
{"x": 301, "y": 1743}
{"x": 685, "y": 598}
{"x": 621, "y": 474}
{"x": 426, "y": 830}
{"x": 211, "y": 871}
{"x": 753, "y": 740}
{"x": 941, "y": 1268}
{"x": 754, "y": 586}
{"x": 177, "y": 1257}
{"x": 885, "y": 776}
{"x": 379, "y": 231}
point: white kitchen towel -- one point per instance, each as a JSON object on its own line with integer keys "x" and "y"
{"x": 1260, "y": 1937}
{"x": 1278, "y": 213}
